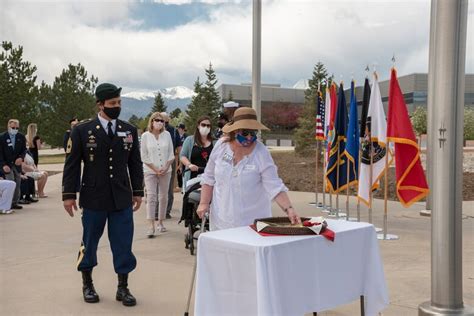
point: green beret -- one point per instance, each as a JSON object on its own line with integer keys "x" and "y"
{"x": 106, "y": 91}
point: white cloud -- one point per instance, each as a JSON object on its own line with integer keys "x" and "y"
{"x": 345, "y": 36}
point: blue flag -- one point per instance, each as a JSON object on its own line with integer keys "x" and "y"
{"x": 352, "y": 140}
{"x": 338, "y": 145}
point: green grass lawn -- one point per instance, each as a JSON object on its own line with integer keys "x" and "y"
{"x": 52, "y": 159}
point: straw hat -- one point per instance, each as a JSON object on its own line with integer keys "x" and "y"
{"x": 244, "y": 118}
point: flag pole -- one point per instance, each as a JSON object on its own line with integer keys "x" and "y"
{"x": 371, "y": 171}
{"x": 316, "y": 173}
{"x": 358, "y": 200}
{"x": 347, "y": 189}
{"x": 324, "y": 179}
{"x": 385, "y": 235}
{"x": 337, "y": 180}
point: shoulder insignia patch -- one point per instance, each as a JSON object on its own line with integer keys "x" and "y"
{"x": 69, "y": 146}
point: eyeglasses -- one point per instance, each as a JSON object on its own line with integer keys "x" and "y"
{"x": 247, "y": 132}
{"x": 158, "y": 120}
{"x": 205, "y": 125}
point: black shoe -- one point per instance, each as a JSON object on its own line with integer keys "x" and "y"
{"x": 123, "y": 293}
{"x": 23, "y": 201}
{"x": 88, "y": 290}
{"x": 168, "y": 216}
{"x": 31, "y": 199}
{"x": 16, "y": 207}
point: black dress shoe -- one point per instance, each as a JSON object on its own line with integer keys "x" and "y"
{"x": 31, "y": 199}
{"x": 123, "y": 293}
{"x": 23, "y": 201}
{"x": 168, "y": 216}
{"x": 16, "y": 207}
{"x": 88, "y": 290}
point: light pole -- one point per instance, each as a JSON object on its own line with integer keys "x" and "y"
{"x": 446, "y": 129}
{"x": 257, "y": 57}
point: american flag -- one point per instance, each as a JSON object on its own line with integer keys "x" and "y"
{"x": 319, "y": 117}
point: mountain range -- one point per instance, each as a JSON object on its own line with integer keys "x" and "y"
{"x": 139, "y": 103}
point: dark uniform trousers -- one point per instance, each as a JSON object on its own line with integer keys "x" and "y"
{"x": 112, "y": 175}
{"x": 120, "y": 230}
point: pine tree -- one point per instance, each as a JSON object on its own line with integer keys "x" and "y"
{"x": 159, "y": 104}
{"x": 205, "y": 102}
{"x": 175, "y": 113}
{"x": 305, "y": 133}
{"x": 18, "y": 90}
{"x": 71, "y": 95}
{"x": 195, "y": 108}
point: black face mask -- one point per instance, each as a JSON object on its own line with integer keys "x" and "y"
{"x": 220, "y": 124}
{"x": 113, "y": 113}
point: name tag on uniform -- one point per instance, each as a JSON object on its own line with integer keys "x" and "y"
{"x": 90, "y": 145}
{"x": 250, "y": 167}
{"x": 10, "y": 144}
{"x": 121, "y": 134}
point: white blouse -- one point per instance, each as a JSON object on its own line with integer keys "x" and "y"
{"x": 242, "y": 192}
{"x": 156, "y": 151}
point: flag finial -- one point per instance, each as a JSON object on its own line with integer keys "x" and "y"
{"x": 393, "y": 60}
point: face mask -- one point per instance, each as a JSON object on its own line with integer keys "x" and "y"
{"x": 204, "y": 131}
{"x": 12, "y": 131}
{"x": 220, "y": 125}
{"x": 157, "y": 125}
{"x": 244, "y": 141}
{"x": 113, "y": 113}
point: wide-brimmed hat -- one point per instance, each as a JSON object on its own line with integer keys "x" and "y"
{"x": 244, "y": 118}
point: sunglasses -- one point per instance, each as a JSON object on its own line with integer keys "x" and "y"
{"x": 158, "y": 120}
{"x": 205, "y": 125}
{"x": 14, "y": 127}
{"x": 247, "y": 132}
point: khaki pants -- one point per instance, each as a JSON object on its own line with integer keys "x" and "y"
{"x": 156, "y": 192}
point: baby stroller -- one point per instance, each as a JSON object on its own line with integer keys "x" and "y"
{"x": 192, "y": 222}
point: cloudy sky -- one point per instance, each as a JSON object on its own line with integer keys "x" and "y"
{"x": 158, "y": 44}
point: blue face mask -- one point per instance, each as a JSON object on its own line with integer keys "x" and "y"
{"x": 244, "y": 141}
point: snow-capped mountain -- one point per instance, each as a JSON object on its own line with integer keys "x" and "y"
{"x": 139, "y": 103}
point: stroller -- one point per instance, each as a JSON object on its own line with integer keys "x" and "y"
{"x": 192, "y": 222}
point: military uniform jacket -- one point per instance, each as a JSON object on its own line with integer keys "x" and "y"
{"x": 113, "y": 169}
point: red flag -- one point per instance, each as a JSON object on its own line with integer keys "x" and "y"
{"x": 411, "y": 180}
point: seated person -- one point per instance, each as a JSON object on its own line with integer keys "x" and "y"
{"x": 7, "y": 189}
{"x": 27, "y": 190}
{"x": 30, "y": 170}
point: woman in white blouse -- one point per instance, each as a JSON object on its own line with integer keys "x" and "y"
{"x": 157, "y": 155}
{"x": 241, "y": 178}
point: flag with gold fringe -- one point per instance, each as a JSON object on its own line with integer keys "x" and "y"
{"x": 411, "y": 180}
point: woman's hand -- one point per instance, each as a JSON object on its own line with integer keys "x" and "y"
{"x": 193, "y": 167}
{"x": 293, "y": 216}
{"x": 202, "y": 209}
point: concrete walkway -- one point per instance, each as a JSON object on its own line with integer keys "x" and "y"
{"x": 39, "y": 244}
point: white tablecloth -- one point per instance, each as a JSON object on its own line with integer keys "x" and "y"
{"x": 240, "y": 272}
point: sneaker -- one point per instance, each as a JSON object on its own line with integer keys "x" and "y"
{"x": 150, "y": 232}
{"x": 6, "y": 211}
{"x": 161, "y": 228}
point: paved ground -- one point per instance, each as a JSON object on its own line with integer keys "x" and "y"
{"x": 39, "y": 244}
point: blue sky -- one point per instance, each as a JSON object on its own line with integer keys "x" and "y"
{"x": 152, "y": 45}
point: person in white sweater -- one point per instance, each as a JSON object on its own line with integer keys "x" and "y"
{"x": 157, "y": 155}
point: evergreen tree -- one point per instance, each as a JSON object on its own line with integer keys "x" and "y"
{"x": 71, "y": 95}
{"x": 135, "y": 120}
{"x": 18, "y": 90}
{"x": 195, "y": 108}
{"x": 205, "y": 102}
{"x": 159, "y": 104}
{"x": 305, "y": 133}
{"x": 175, "y": 113}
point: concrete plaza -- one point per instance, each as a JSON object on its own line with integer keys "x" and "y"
{"x": 39, "y": 245}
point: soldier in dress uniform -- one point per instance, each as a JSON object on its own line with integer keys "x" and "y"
{"x": 111, "y": 189}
